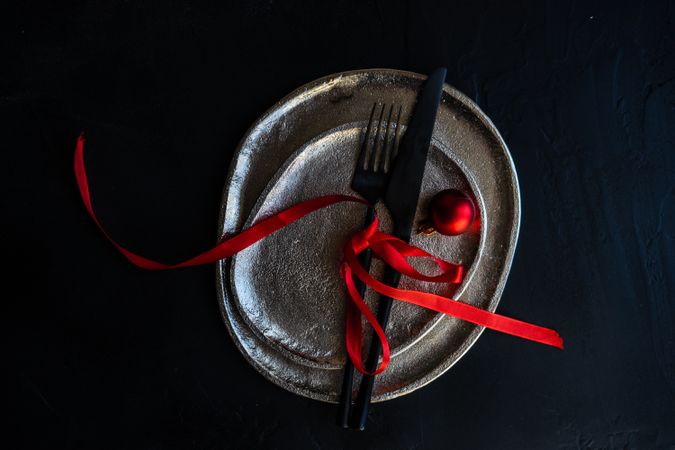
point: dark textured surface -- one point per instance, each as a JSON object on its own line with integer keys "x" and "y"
{"x": 114, "y": 357}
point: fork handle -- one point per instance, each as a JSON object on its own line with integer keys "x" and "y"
{"x": 345, "y": 404}
{"x": 391, "y": 277}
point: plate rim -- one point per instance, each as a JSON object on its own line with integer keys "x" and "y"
{"x": 223, "y": 266}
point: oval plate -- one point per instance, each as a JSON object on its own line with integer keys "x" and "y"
{"x": 282, "y": 298}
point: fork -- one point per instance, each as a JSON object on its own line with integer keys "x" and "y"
{"x": 370, "y": 181}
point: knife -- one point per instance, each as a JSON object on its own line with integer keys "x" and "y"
{"x": 403, "y": 190}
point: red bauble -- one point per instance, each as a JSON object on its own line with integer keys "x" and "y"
{"x": 451, "y": 212}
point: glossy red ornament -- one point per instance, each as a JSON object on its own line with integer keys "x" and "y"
{"x": 451, "y": 212}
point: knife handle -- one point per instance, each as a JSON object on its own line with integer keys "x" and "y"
{"x": 345, "y": 404}
{"x": 391, "y": 278}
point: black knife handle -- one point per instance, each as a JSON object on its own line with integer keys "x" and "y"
{"x": 391, "y": 278}
{"x": 345, "y": 404}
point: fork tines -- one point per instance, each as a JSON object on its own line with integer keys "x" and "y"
{"x": 380, "y": 146}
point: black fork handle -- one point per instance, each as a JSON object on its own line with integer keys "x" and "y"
{"x": 391, "y": 278}
{"x": 345, "y": 404}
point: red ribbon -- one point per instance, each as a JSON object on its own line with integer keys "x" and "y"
{"x": 390, "y": 249}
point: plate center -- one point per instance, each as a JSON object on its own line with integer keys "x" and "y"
{"x": 287, "y": 286}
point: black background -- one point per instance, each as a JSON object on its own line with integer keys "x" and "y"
{"x": 115, "y": 357}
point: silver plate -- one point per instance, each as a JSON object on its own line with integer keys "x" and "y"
{"x": 282, "y": 298}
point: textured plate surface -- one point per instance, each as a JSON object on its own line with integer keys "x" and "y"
{"x": 282, "y": 298}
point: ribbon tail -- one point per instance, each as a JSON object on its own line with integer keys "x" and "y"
{"x": 353, "y": 329}
{"x": 457, "y": 309}
{"x": 225, "y": 248}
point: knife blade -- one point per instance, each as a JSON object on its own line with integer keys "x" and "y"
{"x": 401, "y": 196}
{"x": 405, "y": 180}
